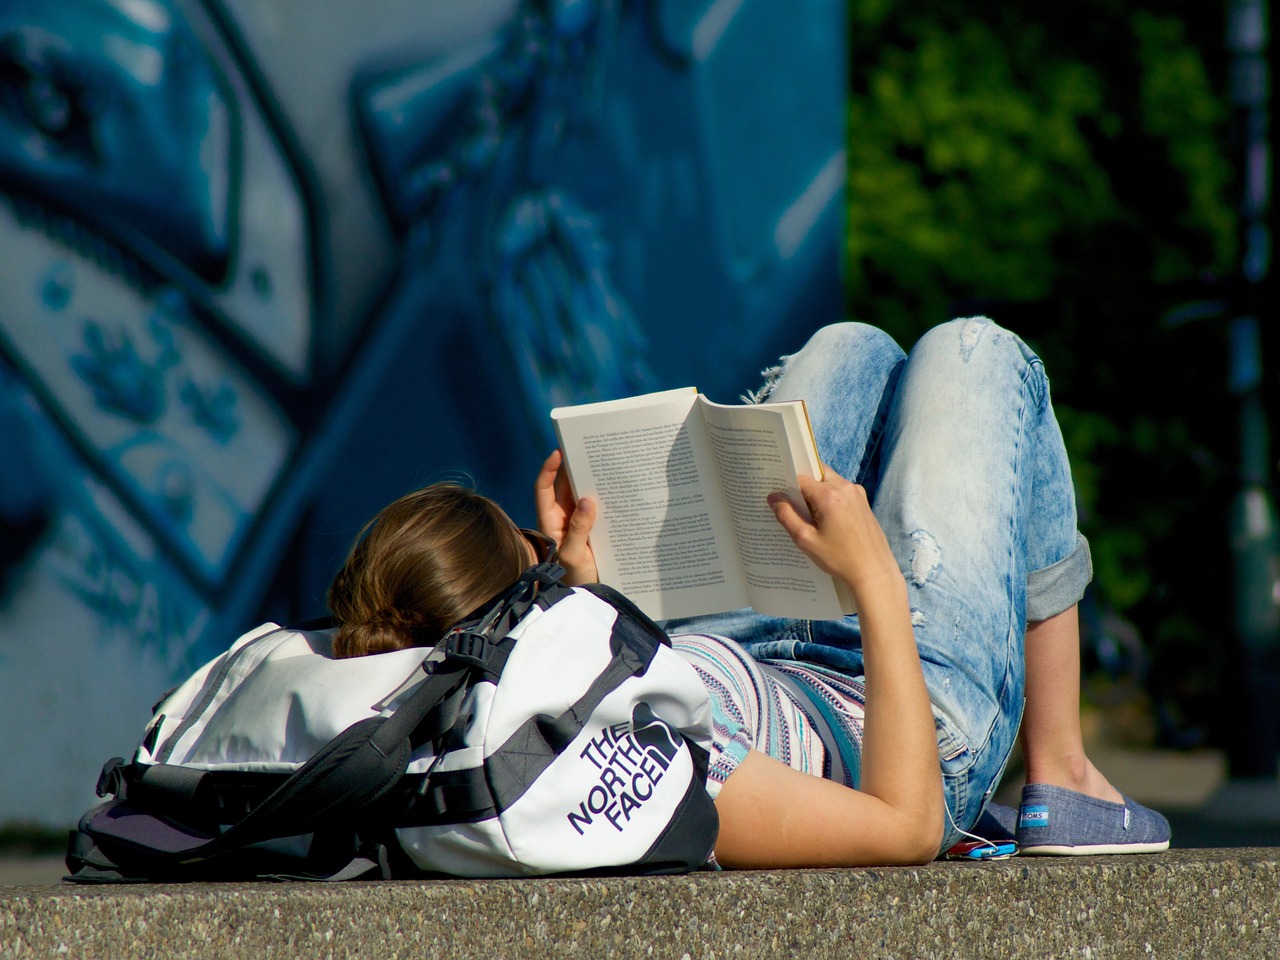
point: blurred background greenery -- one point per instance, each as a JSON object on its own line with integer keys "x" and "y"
{"x": 1068, "y": 170}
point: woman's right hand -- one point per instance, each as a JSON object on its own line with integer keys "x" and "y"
{"x": 843, "y": 537}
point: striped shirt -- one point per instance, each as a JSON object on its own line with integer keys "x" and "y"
{"x": 805, "y": 715}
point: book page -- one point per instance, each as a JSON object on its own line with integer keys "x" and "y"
{"x": 662, "y": 532}
{"x": 755, "y": 457}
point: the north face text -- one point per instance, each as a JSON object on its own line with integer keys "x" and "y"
{"x": 631, "y": 759}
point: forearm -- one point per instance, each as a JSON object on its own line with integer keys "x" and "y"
{"x": 899, "y": 749}
{"x": 901, "y": 785}
{"x": 774, "y": 816}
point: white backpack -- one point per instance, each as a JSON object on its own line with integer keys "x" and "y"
{"x": 556, "y": 731}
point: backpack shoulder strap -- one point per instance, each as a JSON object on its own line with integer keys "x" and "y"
{"x": 540, "y": 585}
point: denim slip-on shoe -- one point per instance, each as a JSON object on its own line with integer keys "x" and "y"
{"x": 1057, "y": 821}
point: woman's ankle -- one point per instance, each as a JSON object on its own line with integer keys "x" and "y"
{"x": 1078, "y": 774}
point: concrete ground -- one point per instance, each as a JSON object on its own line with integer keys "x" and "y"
{"x": 1184, "y": 903}
{"x": 1217, "y": 894}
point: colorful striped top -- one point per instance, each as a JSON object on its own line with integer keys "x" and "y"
{"x": 808, "y": 716}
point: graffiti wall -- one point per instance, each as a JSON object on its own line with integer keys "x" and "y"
{"x": 267, "y": 264}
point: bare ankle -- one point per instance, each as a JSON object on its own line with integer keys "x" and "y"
{"x": 1074, "y": 773}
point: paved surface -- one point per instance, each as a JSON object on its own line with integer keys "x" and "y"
{"x": 1216, "y": 895}
{"x": 1188, "y": 903}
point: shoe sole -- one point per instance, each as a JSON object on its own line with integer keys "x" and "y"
{"x": 1093, "y": 850}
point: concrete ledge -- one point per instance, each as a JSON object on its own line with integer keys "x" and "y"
{"x": 1185, "y": 903}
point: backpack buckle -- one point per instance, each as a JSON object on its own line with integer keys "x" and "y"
{"x": 473, "y": 649}
{"x": 547, "y": 573}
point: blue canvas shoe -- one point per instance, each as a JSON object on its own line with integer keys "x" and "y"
{"x": 1057, "y": 821}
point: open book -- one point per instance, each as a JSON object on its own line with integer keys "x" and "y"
{"x": 684, "y": 527}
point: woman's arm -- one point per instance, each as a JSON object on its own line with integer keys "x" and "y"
{"x": 772, "y": 815}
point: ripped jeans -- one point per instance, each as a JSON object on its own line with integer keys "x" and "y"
{"x": 963, "y": 462}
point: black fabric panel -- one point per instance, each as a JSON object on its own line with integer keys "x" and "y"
{"x": 691, "y": 834}
{"x": 535, "y": 745}
{"x": 633, "y": 644}
{"x": 166, "y": 784}
{"x": 227, "y": 797}
{"x": 450, "y": 796}
{"x": 539, "y": 740}
{"x": 624, "y": 604}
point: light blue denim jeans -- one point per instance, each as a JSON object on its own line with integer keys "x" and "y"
{"x": 965, "y": 468}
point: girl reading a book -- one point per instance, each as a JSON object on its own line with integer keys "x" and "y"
{"x": 947, "y": 509}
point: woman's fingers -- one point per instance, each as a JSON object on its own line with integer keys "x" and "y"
{"x": 790, "y": 518}
{"x": 565, "y": 520}
{"x": 552, "y": 497}
{"x": 842, "y": 536}
{"x": 544, "y": 492}
{"x": 581, "y": 521}
{"x": 576, "y": 555}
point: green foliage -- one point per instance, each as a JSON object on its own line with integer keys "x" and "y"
{"x": 981, "y": 137}
{"x": 962, "y": 172}
{"x": 1064, "y": 169}
{"x": 1180, "y": 109}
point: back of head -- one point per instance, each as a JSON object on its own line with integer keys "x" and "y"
{"x": 421, "y": 565}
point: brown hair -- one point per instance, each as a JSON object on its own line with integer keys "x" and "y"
{"x": 421, "y": 565}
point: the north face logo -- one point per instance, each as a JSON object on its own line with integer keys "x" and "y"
{"x": 631, "y": 759}
{"x": 655, "y": 736}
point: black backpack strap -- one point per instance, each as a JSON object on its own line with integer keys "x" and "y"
{"x": 624, "y": 604}
{"x": 480, "y": 640}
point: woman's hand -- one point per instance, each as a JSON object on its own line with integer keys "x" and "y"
{"x": 843, "y": 538}
{"x": 566, "y": 522}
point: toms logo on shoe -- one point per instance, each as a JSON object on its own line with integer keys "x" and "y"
{"x": 1033, "y": 817}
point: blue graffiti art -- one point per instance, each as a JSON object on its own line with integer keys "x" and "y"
{"x": 266, "y": 265}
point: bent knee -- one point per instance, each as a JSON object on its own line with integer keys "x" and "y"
{"x": 969, "y": 342}
{"x": 966, "y": 336}
{"x": 839, "y": 352}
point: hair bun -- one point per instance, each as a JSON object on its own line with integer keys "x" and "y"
{"x": 394, "y": 619}
{"x": 422, "y": 564}
{"x": 382, "y": 633}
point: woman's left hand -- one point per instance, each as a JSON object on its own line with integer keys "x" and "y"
{"x": 566, "y": 522}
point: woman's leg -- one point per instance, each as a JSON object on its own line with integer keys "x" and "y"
{"x": 975, "y": 468}
{"x": 974, "y": 493}
{"x": 1052, "y": 741}
{"x": 1068, "y": 806}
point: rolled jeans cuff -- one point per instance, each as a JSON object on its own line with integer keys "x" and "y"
{"x": 1059, "y": 586}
